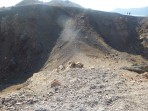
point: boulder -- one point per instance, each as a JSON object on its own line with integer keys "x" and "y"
{"x": 137, "y": 68}
{"x": 79, "y": 65}
{"x": 61, "y": 67}
{"x": 75, "y": 65}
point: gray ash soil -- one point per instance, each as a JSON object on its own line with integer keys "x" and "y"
{"x": 79, "y": 90}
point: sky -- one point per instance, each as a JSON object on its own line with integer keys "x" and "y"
{"x": 104, "y": 5}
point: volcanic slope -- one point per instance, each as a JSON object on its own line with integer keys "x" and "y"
{"x": 40, "y": 46}
{"x": 38, "y": 36}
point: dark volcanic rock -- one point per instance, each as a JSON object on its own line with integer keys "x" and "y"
{"x": 26, "y": 38}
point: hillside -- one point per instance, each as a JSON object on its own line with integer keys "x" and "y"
{"x": 46, "y": 29}
{"x": 60, "y": 3}
{"x": 29, "y": 2}
{"x": 134, "y": 11}
{"x": 71, "y": 58}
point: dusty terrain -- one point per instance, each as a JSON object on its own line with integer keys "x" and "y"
{"x": 56, "y": 58}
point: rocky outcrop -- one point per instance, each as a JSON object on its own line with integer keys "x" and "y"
{"x": 137, "y": 68}
{"x": 143, "y": 32}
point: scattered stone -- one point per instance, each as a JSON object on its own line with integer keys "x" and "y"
{"x": 75, "y": 65}
{"x": 55, "y": 83}
{"x": 93, "y": 87}
{"x": 41, "y": 109}
{"x": 61, "y": 67}
{"x": 79, "y": 65}
{"x": 50, "y": 94}
{"x": 71, "y": 64}
{"x": 18, "y": 103}
{"x": 31, "y": 101}
{"x": 111, "y": 100}
{"x": 92, "y": 67}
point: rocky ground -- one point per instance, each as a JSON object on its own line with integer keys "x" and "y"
{"x": 101, "y": 89}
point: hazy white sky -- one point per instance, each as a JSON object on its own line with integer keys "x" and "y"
{"x": 105, "y": 5}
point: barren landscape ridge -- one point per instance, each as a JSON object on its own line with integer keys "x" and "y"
{"x": 59, "y": 56}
